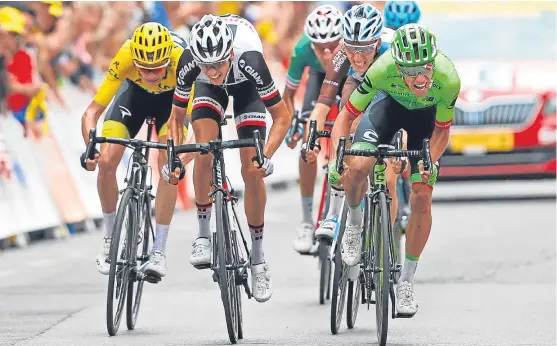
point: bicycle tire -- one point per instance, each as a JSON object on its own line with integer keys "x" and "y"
{"x": 134, "y": 301}
{"x": 237, "y": 276}
{"x": 225, "y": 276}
{"x": 325, "y": 270}
{"x": 381, "y": 261}
{"x": 126, "y": 205}
{"x": 353, "y": 303}
{"x": 340, "y": 278}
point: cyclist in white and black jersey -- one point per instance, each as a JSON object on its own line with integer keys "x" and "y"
{"x": 225, "y": 58}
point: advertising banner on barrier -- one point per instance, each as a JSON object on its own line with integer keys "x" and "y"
{"x": 25, "y": 201}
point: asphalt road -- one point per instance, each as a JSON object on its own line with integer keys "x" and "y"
{"x": 487, "y": 277}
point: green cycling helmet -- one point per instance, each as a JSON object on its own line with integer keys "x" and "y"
{"x": 413, "y": 45}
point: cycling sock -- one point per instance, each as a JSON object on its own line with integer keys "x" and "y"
{"x": 355, "y": 215}
{"x": 256, "y": 244}
{"x": 337, "y": 197}
{"x": 409, "y": 268}
{"x": 307, "y": 206}
{"x": 109, "y": 220}
{"x": 160, "y": 238}
{"x": 204, "y": 219}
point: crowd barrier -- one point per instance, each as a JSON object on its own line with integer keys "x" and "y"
{"x": 42, "y": 184}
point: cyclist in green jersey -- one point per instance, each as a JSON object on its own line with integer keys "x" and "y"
{"x": 321, "y": 36}
{"x": 414, "y": 87}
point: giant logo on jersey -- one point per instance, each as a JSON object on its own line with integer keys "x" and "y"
{"x": 251, "y": 71}
{"x": 184, "y": 71}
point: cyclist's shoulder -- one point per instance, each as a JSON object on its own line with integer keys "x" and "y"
{"x": 303, "y": 45}
{"x": 382, "y": 66}
{"x": 445, "y": 74}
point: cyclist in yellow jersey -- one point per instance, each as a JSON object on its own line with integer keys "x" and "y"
{"x": 141, "y": 79}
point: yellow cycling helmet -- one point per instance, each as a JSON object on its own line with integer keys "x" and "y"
{"x": 151, "y": 44}
{"x": 12, "y": 20}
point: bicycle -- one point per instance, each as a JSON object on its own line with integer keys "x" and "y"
{"x": 379, "y": 263}
{"x": 229, "y": 264}
{"x": 322, "y": 250}
{"x": 340, "y": 280}
{"x": 126, "y": 264}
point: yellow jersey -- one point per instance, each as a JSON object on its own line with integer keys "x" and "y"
{"x": 122, "y": 67}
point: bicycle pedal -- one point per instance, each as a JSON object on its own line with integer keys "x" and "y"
{"x": 202, "y": 266}
{"x": 152, "y": 278}
{"x": 399, "y": 315}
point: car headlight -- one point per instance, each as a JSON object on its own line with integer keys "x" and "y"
{"x": 550, "y": 107}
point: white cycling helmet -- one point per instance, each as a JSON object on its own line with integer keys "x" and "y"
{"x": 323, "y": 24}
{"x": 210, "y": 40}
{"x": 362, "y": 23}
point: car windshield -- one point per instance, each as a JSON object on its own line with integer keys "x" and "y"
{"x": 510, "y": 37}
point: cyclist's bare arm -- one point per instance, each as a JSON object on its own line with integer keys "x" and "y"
{"x": 90, "y": 118}
{"x": 176, "y": 124}
{"x": 281, "y": 121}
{"x": 342, "y": 126}
{"x": 337, "y": 69}
{"x": 288, "y": 97}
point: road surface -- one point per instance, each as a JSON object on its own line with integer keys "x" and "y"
{"x": 487, "y": 277}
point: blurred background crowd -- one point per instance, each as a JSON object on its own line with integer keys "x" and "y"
{"x": 74, "y": 42}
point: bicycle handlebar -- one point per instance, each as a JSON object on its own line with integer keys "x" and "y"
{"x": 135, "y": 143}
{"x": 383, "y": 151}
{"x": 314, "y": 134}
{"x": 215, "y": 146}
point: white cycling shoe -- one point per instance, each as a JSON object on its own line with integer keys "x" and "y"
{"x": 261, "y": 284}
{"x": 406, "y": 303}
{"x": 351, "y": 245}
{"x": 103, "y": 266}
{"x": 327, "y": 228}
{"x": 305, "y": 238}
{"x": 201, "y": 252}
{"x": 156, "y": 265}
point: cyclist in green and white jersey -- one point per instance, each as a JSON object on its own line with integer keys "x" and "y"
{"x": 314, "y": 49}
{"x": 414, "y": 87}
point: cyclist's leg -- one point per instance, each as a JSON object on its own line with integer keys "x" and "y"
{"x": 250, "y": 115}
{"x": 308, "y": 171}
{"x": 160, "y": 106}
{"x": 123, "y": 120}
{"x": 336, "y": 198}
{"x": 419, "y": 124}
{"x": 209, "y": 105}
{"x": 377, "y": 126}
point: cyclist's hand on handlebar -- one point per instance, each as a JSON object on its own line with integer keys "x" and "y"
{"x": 334, "y": 177}
{"x": 173, "y": 177}
{"x": 292, "y": 139}
{"x": 266, "y": 169}
{"x": 88, "y": 164}
{"x": 428, "y": 176}
{"x": 398, "y": 166}
{"x": 310, "y": 156}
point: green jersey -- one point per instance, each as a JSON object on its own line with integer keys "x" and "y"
{"x": 383, "y": 75}
{"x": 302, "y": 56}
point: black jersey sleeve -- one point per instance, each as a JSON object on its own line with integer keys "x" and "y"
{"x": 253, "y": 66}
{"x": 186, "y": 74}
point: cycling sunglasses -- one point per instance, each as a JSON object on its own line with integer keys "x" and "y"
{"x": 151, "y": 69}
{"x": 216, "y": 65}
{"x": 414, "y": 71}
{"x": 361, "y": 49}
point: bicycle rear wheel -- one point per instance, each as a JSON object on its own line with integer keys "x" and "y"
{"x": 340, "y": 279}
{"x": 382, "y": 264}
{"x": 119, "y": 261}
{"x": 227, "y": 278}
{"x": 135, "y": 287}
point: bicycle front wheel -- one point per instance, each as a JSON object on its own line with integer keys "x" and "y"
{"x": 325, "y": 270}
{"x": 135, "y": 287}
{"x": 340, "y": 279}
{"x": 227, "y": 277}
{"x": 120, "y": 257}
{"x": 382, "y": 265}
